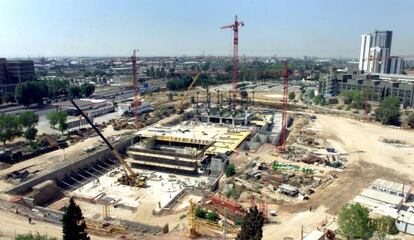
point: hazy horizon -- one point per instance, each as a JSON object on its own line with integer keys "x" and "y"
{"x": 325, "y": 29}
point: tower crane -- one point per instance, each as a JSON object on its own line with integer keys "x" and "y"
{"x": 137, "y": 101}
{"x": 281, "y": 147}
{"x": 235, "y": 72}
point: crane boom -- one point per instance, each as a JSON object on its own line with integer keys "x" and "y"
{"x": 179, "y": 107}
{"x": 124, "y": 164}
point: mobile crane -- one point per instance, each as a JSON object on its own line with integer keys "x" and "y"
{"x": 179, "y": 108}
{"x": 130, "y": 177}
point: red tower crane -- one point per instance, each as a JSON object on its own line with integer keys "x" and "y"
{"x": 136, "y": 102}
{"x": 281, "y": 147}
{"x": 235, "y": 72}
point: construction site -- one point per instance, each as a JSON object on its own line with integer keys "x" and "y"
{"x": 143, "y": 177}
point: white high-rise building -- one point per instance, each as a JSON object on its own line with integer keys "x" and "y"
{"x": 366, "y": 41}
{"x": 375, "y": 52}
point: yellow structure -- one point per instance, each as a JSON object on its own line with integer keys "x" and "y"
{"x": 192, "y": 233}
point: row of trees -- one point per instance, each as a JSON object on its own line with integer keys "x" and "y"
{"x": 181, "y": 82}
{"x": 24, "y": 124}
{"x": 156, "y": 73}
{"x": 30, "y": 92}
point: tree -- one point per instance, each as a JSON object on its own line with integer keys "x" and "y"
{"x": 28, "y": 120}
{"x": 74, "y": 91}
{"x": 73, "y": 224}
{"x": 212, "y": 216}
{"x": 31, "y": 236}
{"x": 230, "y": 170}
{"x": 10, "y": 128}
{"x": 320, "y": 100}
{"x": 292, "y": 96}
{"x": 200, "y": 213}
{"x": 252, "y": 225}
{"x": 353, "y": 221}
{"x": 30, "y": 134}
{"x": 347, "y": 96}
{"x": 54, "y": 87}
{"x": 311, "y": 94}
{"x": 389, "y": 111}
{"x": 58, "y": 118}
{"x": 30, "y": 92}
{"x": 87, "y": 89}
{"x": 384, "y": 225}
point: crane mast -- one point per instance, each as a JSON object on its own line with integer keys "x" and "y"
{"x": 235, "y": 71}
{"x": 136, "y": 102}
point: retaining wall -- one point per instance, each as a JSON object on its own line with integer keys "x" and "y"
{"x": 73, "y": 166}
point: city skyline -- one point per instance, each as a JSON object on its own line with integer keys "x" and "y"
{"x": 177, "y": 28}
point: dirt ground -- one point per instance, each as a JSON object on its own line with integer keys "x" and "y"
{"x": 368, "y": 159}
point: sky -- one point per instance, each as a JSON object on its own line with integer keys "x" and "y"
{"x": 322, "y": 28}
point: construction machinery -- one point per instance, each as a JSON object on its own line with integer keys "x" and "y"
{"x": 281, "y": 147}
{"x": 137, "y": 102}
{"x": 130, "y": 177}
{"x": 235, "y": 72}
{"x": 179, "y": 108}
{"x": 198, "y": 226}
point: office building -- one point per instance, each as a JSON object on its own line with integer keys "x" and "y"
{"x": 382, "y": 39}
{"x": 396, "y": 65}
{"x": 366, "y": 40}
{"x": 13, "y": 72}
{"x": 3, "y": 74}
{"x": 375, "y": 52}
{"x": 382, "y": 85}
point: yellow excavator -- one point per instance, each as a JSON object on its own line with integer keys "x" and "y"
{"x": 130, "y": 177}
{"x": 179, "y": 108}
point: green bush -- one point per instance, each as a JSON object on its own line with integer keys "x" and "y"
{"x": 200, "y": 213}
{"x": 31, "y": 236}
{"x": 230, "y": 170}
{"x": 232, "y": 193}
{"x": 212, "y": 216}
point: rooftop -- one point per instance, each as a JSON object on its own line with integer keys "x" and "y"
{"x": 400, "y": 187}
{"x": 223, "y": 138}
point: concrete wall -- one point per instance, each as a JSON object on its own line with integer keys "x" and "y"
{"x": 73, "y": 166}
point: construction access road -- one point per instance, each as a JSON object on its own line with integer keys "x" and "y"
{"x": 368, "y": 158}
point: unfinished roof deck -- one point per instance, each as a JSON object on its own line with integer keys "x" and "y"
{"x": 221, "y": 138}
